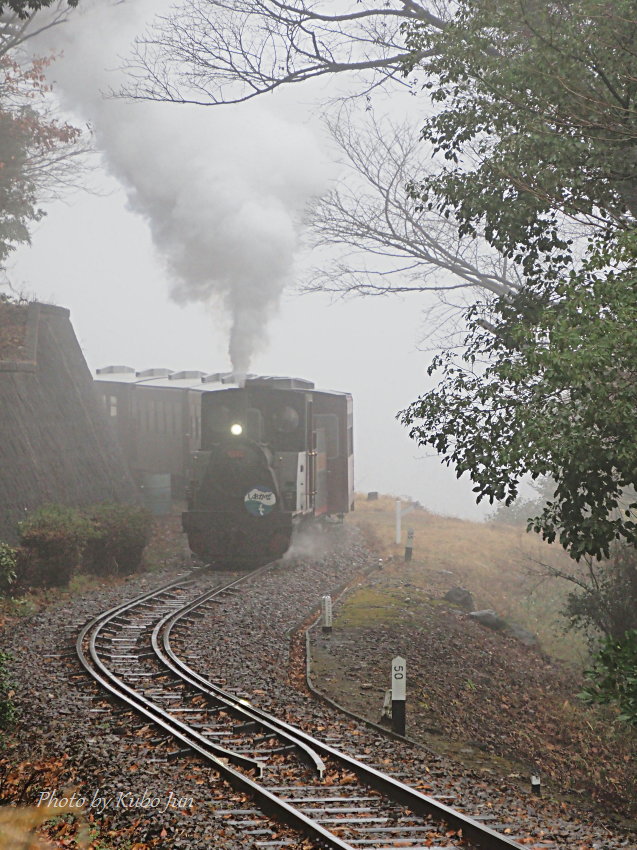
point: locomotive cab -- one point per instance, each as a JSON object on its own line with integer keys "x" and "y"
{"x": 268, "y": 459}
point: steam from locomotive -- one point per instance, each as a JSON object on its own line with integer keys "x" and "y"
{"x": 221, "y": 191}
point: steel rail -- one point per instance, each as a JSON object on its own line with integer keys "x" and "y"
{"x": 269, "y": 802}
{"x": 480, "y": 835}
{"x": 121, "y": 690}
{"x": 168, "y": 657}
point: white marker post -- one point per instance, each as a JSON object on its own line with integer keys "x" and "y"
{"x": 409, "y": 548}
{"x": 400, "y": 513}
{"x": 398, "y": 694}
{"x": 326, "y": 614}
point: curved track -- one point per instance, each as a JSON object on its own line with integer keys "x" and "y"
{"x": 323, "y": 793}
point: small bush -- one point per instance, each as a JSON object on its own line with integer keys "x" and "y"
{"x": 119, "y": 534}
{"x": 53, "y": 538}
{"x": 606, "y": 599}
{"x": 8, "y": 567}
{"x": 104, "y": 539}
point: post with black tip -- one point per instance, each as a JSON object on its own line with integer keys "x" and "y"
{"x": 409, "y": 548}
{"x": 385, "y": 715}
{"x": 398, "y": 694}
{"x": 536, "y": 785}
{"x": 326, "y": 614}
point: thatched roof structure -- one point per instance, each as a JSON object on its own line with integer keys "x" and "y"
{"x": 55, "y": 440}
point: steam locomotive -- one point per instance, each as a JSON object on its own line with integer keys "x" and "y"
{"x": 255, "y": 457}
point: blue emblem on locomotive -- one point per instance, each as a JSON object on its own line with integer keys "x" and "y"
{"x": 260, "y": 501}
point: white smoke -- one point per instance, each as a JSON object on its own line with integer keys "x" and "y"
{"x": 221, "y": 188}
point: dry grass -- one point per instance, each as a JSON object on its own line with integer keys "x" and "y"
{"x": 501, "y": 566}
{"x": 21, "y": 828}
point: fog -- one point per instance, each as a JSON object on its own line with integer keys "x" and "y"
{"x": 187, "y": 254}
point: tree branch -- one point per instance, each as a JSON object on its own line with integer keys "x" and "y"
{"x": 210, "y": 52}
{"x": 370, "y": 213}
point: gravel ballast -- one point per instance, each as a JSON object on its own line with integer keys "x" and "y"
{"x": 103, "y": 751}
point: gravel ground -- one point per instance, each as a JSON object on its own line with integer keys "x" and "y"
{"x": 103, "y": 751}
{"x": 71, "y": 738}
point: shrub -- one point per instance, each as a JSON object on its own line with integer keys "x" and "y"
{"x": 119, "y": 534}
{"x": 613, "y": 678}
{"x": 104, "y": 539}
{"x": 53, "y": 538}
{"x": 606, "y": 598}
{"x": 8, "y": 567}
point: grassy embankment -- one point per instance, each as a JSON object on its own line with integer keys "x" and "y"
{"x": 503, "y": 566}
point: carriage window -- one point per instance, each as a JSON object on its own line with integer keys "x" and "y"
{"x": 164, "y": 417}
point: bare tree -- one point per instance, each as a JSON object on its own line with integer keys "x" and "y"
{"x": 227, "y": 51}
{"x": 214, "y": 52}
{"x": 389, "y": 243}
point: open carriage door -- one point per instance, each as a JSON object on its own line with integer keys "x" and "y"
{"x": 310, "y": 442}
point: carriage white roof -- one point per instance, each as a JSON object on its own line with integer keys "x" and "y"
{"x": 195, "y": 380}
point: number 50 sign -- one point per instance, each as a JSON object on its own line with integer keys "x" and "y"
{"x": 398, "y": 678}
{"x": 398, "y": 694}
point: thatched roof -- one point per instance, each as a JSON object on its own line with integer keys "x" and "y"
{"x": 55, "y": 439}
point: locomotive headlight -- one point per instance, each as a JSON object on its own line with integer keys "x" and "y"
{"x": 236, "y": 429}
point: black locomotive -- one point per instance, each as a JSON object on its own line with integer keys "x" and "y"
{"x": 255, "y": 458}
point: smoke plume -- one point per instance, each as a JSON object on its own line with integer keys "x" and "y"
{"x": 221, "y": 188}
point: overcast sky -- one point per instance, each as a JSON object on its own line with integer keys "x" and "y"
{"x": 184, "y": 190}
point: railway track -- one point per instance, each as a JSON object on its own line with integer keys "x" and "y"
{"x": 136, "y": 651}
